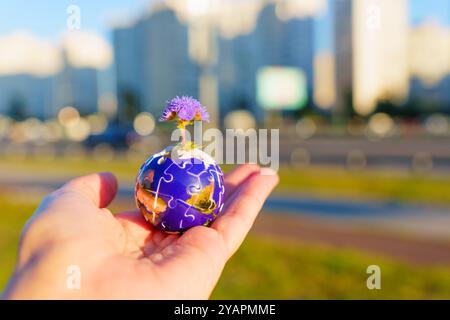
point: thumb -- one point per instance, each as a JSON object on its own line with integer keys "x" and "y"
{"x": 70, "y": 210}
{"x": 99, "y": 189}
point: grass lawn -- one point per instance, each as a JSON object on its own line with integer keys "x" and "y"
{"x": 369, "y": 184}
{"x": 271, "y": 268}
{"x": 12, "y": 218}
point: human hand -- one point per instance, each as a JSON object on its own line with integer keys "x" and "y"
{"x": 122, "y": 256}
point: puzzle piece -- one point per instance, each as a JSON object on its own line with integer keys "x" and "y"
{"x": 174, "y": 169}
{"x": 204, "y": 178}
{"x": 219, "y": 178}
{"x": 193, "y": 192}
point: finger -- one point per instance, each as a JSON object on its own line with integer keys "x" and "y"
{"x": 98, "y": 189}
{"x": 72, "y": 212}
{"x": 208, "y": 242}
{"x": 234, "y": 178}
{"x": 243, "y": 207}
{"x": 187, "y": 256}
{"x": 201, "y": 246}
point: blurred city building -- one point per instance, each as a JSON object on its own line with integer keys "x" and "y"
{"x": 25, "y": 95}
{"x": 38, "y": 78}
{"x": 170, "y": 52}
{"x": 260, "y": 56}
{"x": 273, "y": 42}
{"x": 27, "y": 67}
{"x": 325, "y": 81}
{"x": 128, "y": 57}
{"x": 75, "y": 87}
{"x": 343, "y": 50}
{"x": 380, "y": 53}
{"x": 373, "y": 36}
{"x": 429, "y": 63}
{"x": 153, "y": 63}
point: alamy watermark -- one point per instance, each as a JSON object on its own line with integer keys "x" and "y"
{"x": 373, "y": 18}
{"x": 73, "y": 279}
{"x": 74, "y": 17}
{"x": 239, "y": 146}
{"x": 374, "y": 280}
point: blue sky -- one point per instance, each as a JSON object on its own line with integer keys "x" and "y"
{"x": 47, "y": 18}
{"x": 434, "y": 9}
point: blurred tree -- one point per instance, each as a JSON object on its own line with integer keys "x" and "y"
{"x": 17, "y": 108}
{"x": 386, "y": 106}
{"x": 130, "y": 106}
{"x": 349, "y": 109}
{"x": 241, "y": 104}
{"x": 412, "y": 109}
{"x": 309, "y": 110}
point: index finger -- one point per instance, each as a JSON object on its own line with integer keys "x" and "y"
{"x": 237, "y": 176}
{"x": 243, "y": 207}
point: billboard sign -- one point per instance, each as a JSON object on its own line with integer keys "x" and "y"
{"x": 281, "y": 88}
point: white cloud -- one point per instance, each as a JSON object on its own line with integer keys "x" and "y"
{"x": 24, "y": 53}
{"x": 237, "y": 17}
{"x": 87, "y": 50}
{"x": 289, "y": 9}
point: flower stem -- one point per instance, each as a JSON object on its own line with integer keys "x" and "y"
{"x": 183, "y": 136}
{"x": 182, "y": 126}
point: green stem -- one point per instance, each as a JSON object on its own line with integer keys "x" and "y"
{"x": 182, "y": 126}
{"x": 183, "y": 136}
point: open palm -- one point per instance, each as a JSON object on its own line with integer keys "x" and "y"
{"x": 122, "y": 256}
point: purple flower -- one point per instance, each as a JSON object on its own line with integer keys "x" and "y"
{"x": 185, "y": 108}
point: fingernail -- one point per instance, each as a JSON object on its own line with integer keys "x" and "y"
{"x": 267, "y": 172}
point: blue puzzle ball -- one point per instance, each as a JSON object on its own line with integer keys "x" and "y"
{"x": 180, "y": 188}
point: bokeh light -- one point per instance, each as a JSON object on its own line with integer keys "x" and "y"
{"x": 306, "y": 128}
{"x": 381, "y": 125}
{"x": 78, "y": 131}
{"x": 98, "y": 123}
{"x": 144, "y": 124}
{"x": 437, "y": 125}
{"x": 240, "y": 119}
{"x": 68, "y": 116}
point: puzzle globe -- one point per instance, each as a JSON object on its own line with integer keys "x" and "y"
{"x": 180, "y": 188}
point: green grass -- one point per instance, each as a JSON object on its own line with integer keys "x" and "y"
{"x": 271, "y": 268}
{"x": 379, "y": 184}
{"x": 13, "y": 215}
